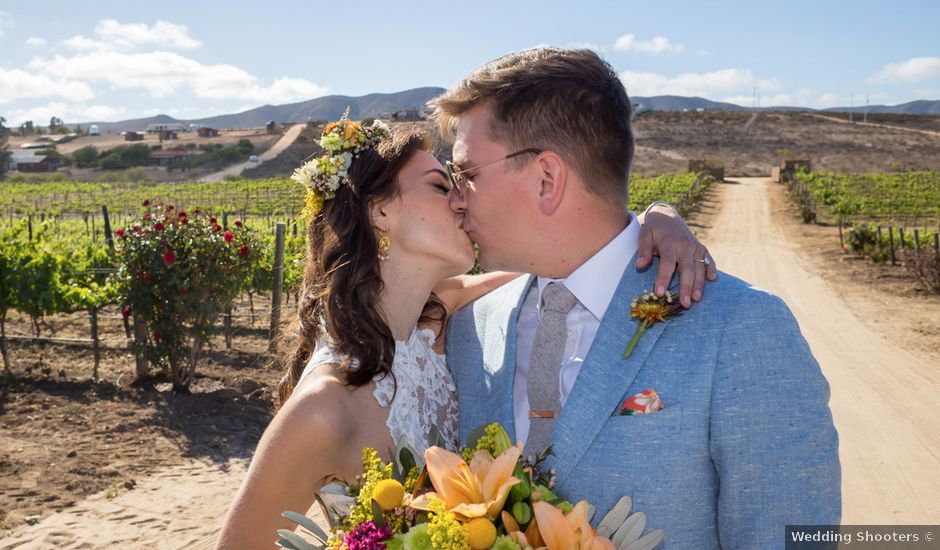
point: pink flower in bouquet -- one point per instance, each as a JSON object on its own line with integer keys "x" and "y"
{"x": 228, "y": 236}
{"x": 169, "y": 257}
{"x": 243, "y": 251}
{"x": 367, "y": 536}
{"x": 158, "y": 226}
{"x": 238, "y": 223}
{"x": 120, "y": 232}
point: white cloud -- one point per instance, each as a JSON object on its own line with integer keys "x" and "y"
{"x": 805, "y": 98}
{"x": 161, "y": 33}
{"x": 659, "y": 44}
{"x": 165, "y": 73}
{"x": 18, "y": 84}
{"x": 35, "y": 41}
{"x": 694, "y": 84}
{"x": 82, "y": 43}
{"x": 68, "y": 112}
{"x": 916, "y": 69}
{"x": 113, "y": 35}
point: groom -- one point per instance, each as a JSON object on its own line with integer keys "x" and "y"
{"x": 744, "y": 443}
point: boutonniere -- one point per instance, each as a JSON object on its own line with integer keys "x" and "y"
{"x": 649, "y": 309}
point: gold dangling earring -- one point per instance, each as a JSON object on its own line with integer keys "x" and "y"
{"x": 385, "y": 243}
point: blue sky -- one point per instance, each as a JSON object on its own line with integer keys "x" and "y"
{"x": 112, "y": 60}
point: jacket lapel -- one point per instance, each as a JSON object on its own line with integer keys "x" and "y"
{"x": 604, "y": 376}
{"x": 504, "y": 378}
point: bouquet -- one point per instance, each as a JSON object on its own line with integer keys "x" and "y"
{"x": 486, "y": 497}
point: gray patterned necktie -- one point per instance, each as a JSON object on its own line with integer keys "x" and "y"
{"x": 545, "y": 366}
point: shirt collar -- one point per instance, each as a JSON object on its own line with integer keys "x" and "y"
{"x": 595, "y": 281}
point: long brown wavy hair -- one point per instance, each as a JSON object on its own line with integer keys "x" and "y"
{"x": 342, "y": 282}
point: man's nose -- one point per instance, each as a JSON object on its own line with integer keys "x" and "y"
{"x": 458, "y": 202}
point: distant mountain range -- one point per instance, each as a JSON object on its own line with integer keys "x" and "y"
{"x": 332, "y": 107}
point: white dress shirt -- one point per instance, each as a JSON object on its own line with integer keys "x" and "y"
{"x": 593, "y": 284}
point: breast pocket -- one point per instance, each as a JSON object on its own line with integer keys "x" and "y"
{"x": 647, "y": 427}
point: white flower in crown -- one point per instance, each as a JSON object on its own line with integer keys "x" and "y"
{"x": 343, "y": 141}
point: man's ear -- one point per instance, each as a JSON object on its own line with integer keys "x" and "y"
{"x": 554, "y": 181}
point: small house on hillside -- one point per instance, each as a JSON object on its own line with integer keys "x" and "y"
{"x": 168, "y": 135}
{"x": 165, "y": 127}
{"x": 133, "y": 136}
{"x": 165, "y": 158}
{"x": 28, "y": 161}
{"x": 208, "y": 132}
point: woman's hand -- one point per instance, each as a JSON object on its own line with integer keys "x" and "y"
{"x": 665, "y": 234}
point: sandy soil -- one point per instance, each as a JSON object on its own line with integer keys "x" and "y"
{"x": 877, "y": 347}
{"x": 750, "y": 148}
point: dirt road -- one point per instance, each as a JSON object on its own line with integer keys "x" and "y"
{"x": 885, "y": 400}
{"x": 286, "y": 140}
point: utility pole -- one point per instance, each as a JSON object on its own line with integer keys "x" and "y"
{"x": 851, "y": 106}
{"x": 865, "y": 118}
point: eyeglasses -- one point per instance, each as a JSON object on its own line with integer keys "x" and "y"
{"x": 460, "y": 182}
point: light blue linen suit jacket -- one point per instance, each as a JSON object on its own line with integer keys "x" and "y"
{"x": 743, "y": 446}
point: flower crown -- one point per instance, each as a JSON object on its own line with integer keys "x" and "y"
{"x": 343, "y": 141}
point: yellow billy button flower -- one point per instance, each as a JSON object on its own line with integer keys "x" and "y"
{"x": 389, "y": 493}
{"x": 649, "y": 309}
{"x": 481, "y": 533}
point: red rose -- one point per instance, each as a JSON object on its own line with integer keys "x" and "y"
{"x": 168, "y": 207}
{"x": 228, "y": 236}
{"x": 156, "y": 336}
{"x": 147, "y": 277}
{"x": 184, "y": 219}
{"x": 147, "y": 202}
{"x": 212, "y": 220}
{"x": 243, "y": 251}
{"x": 238, "y": 223}
{"x": 217, "y": 228}
{"x": 126, "y": 311}
{"x": 169, "y": 257}
{"x": 182, "y": 214}
{"x": 120, "y": 232}
{"x": 146, "y": 215}
{"x": 158, "y": 226}
{"x": 196, "y": 212}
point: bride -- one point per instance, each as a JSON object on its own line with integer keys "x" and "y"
{"x": 364, "y": 358}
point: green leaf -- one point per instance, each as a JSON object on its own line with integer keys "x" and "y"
{"x": 296, "y": 540}
{"x": 307, "y": 524}
{"x": 378, "y": 516}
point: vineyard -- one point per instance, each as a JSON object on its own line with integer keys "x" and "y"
{"x": 57, "y": 240}
{"x": 885, "y": 217}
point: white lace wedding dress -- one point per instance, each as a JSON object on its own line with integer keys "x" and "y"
{"x": 425, "y": 396}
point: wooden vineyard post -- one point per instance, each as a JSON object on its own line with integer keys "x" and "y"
{"x": 227, "y": 314}
{"x": 278, "y": 283}
{"x": 894, "y": 258}
{"x": 936, "y": 243}
{"x": 95, "y": 343}
{"x": 901, "y": 238}
{"x": 841, "y": 239}
{"x": 107, "y": 227}
{"x": 916, "y": 239}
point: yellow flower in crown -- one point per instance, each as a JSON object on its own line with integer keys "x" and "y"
{"x": 343, "y": 141}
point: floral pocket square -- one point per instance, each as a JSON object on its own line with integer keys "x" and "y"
{"x": 645, "y": 402}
